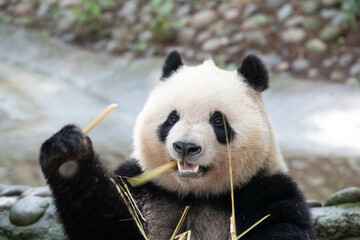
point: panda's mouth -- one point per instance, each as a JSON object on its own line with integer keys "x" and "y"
{"x": 188, "y": 170}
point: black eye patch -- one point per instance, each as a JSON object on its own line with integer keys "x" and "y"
{"x": 165, "y": 128}
{"x": 217, "y": 122}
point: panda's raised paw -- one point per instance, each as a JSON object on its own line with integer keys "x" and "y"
{"x": 64, "y": 149}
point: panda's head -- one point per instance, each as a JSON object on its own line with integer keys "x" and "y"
{"x": 183, "y": 120}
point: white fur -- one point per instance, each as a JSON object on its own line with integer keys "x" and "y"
{"x": 195, "y": 92}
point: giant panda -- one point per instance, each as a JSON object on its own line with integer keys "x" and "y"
{"x": 184, "y": 120}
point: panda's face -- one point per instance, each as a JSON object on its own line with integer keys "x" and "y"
{"x": 192, "y": 139}
{"x": 184, "y": 120}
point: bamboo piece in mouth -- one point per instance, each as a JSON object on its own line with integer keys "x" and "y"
{"x": 150, "y": 175}
{"x": 97, "y": 120}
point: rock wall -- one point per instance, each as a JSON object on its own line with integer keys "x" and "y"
{"x": 28, "y": 214}
{"x": 339, "y": 218}
{"x": 310, "y": 38}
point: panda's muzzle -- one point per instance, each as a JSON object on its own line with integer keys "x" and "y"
{"x": 187, "y": 150}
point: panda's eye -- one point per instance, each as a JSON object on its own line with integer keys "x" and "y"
{"x": 222, "y": 129}
{"x": 218, "y": 121}
{"x": 172, "y": 119}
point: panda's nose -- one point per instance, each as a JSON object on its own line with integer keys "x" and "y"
{"x": 186, "y": 149}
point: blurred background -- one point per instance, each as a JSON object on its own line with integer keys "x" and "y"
{"x": 65, "y": 61}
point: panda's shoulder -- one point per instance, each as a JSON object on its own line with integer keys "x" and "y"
{"x": 272, "y": 187}
{"x": 130, "y": 168}
{"x": 275, "y": 194}
{"x": 267, "y": 189}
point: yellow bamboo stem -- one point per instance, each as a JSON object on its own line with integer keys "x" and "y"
{"x": 232, "y": 218}
{"x": 96, "y": 121}
{"x": 182, "y": 236}
{"x": 183, "y": 216}
{"x": 131, "y": 209}
{"x": 254, "y": 225}
{"x": 132, "y": 200}
{"x": 232, "y": 228}
{"x": 150, "y": 175}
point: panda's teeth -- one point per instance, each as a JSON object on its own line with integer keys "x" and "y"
{"x": 180, "y": 168}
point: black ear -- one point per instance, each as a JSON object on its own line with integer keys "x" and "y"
{"x": 172, "y": 63}
{"x": 255, "y": 73}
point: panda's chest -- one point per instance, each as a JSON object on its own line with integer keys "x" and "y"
{"x": 204, "y": 221}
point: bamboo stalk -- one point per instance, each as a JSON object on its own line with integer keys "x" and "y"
{"x": 188, "y": 235}
{"x": 182, "y": 236}
{"x": 132, "y": 200}
{"x": 150, "y": 175}
{"x": 97, "y": 120}
{"x": 183, "y": 216}
{"x": 232, "y": 218}
{"x": 254, "y": 225}
{"x": 130, "y": 207}
{"x": 232, "y": 228}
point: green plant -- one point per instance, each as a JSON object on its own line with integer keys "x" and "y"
{"x": 224, "y": 65}
{"x": 163, "y": 25}
{"x": 140, "y": 47}
{"x": 261, "y": 19}
{"x": 351, "y": 10}
{"x": 90, "y": 10}
{"x": 353, "y": 81}
{"x": 56, "y": 12}
{"x": 88, "y": 21}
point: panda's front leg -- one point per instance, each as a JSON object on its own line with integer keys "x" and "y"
{"x": 87, "y": 201}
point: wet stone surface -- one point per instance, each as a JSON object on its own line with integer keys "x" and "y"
{"x": 337, "y": 222}
{"x": 314, "y": 203}
{"x": 316, "y": 45}
{"x": 347, "y": 195}
{"x": 3, "y": 186}
{"x": 37, "y": 191}
{"x": 330, "y": 33}
{"x": 7, "y": 202}
{"x": 29, "y": 217}
{"x": 300, "y": 65}
{"x": 340, "y": 221}
{"x": 28, "y": 210}
{"x": 13, "y": 190}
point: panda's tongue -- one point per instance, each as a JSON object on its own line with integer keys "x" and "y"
{"x": 187, "y": 167}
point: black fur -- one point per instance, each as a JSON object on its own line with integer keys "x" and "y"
{"x": 88, "y": 204}
{"x": 165, "y": 128}
{"x": 279, "y": 196}
{"x": 172, "y": 63}
{"x": 90, "y": 207}
{"x": 129, "y": 169}
{"x": 219, "y": 129}
{"x": 255, "y": 73}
